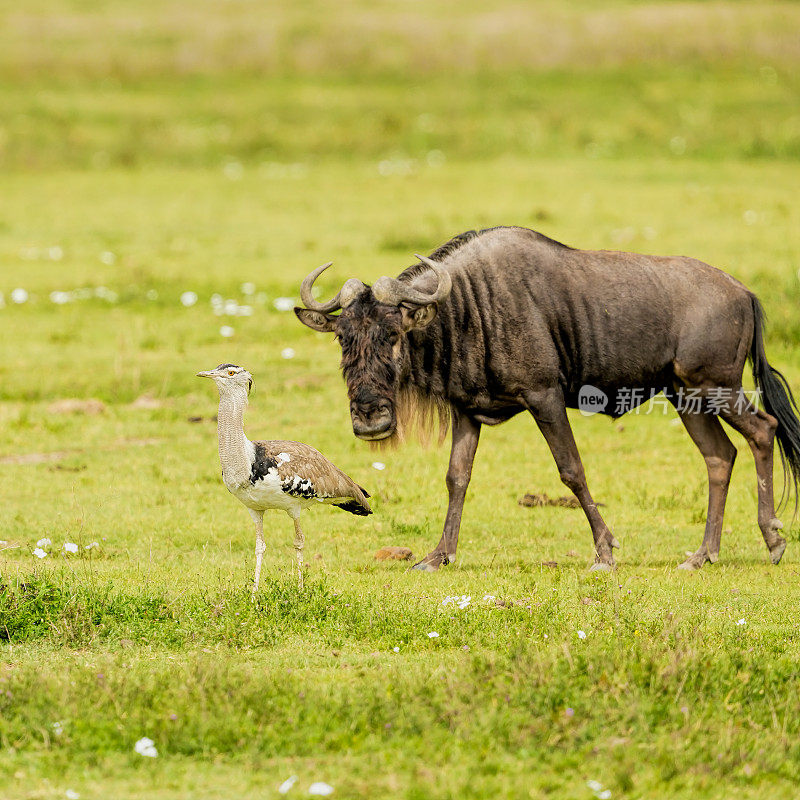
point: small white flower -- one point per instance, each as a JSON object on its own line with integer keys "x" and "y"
{"x": 595, "y": 786}
{"x": 287, "y": 352}
{"x": 245, "y": 311}
{"x": 59, "y": 298}
{"x": 396, "y": 649}
{"x": 604, "y": 795}
{"x": 433, "y": 635}
{"x": 287, "y": 784}
{"x": 105, "y": 293}
{"x": 233, "y": 171}
{"x": 231, "y": 308}
{"x": 226, "y": 331}
{"x": 283, "y": 303}
{"x": 91, "y": 546}
{"x": 19, "y": 296}
{"x": 488, "y": 598}
{"x": 107, "y": 257}
{"x": 70, "y": 547}
{"x": 320, "y": 788}
{"x": 43, "y": 543}
{"x": 146, "y": 747}
{"x": 188, "y": 299}
{"x": 248, "y": 288}
{"x": 152, "y": 294}
{"x": 378, "y": 465}
{"x": 39, "y": 553}
{"x": 55, "y": 253}
{"x": 741, "y": 622}
{"x": 58, "y": 727}
{"x": 71, "y": 794}
{"x": 581, "y": 635}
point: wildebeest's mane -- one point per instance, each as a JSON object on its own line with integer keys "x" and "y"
{"x": 450, "y": 246}
{"x": 458, "y": 241}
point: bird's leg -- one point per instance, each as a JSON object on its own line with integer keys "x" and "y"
{"x": 261, "y": 546}
{"x": 299, "y": 541}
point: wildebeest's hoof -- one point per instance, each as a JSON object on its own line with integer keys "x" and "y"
{"x": 694, "y": 561}
{"x": 776, "y": 551}
{"x": 431, "y": 562}
{"x": 601, "y": 566}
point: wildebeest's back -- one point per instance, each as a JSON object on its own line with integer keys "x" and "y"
{"x": 526, "y": 312}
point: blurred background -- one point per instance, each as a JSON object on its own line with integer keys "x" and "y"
{"x": 159, "y": 151}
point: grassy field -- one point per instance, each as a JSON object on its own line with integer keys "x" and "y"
{"x": 226, "y": 149}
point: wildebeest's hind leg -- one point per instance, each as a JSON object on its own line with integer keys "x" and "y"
{"x": 465, "y": 442}
{"x": 549, "y": 411}
{"x": 719, "y": 454}
{"x": 758, "y": 428}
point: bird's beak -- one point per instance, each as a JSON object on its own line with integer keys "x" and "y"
{"x": 209, "y": 374}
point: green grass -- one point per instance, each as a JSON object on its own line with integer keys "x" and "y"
{"x": 203, "y": 147}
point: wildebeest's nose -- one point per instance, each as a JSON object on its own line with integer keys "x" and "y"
{"x": 375, "y": 422}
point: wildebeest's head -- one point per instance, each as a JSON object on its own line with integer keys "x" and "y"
{"x": 372, "y": 331}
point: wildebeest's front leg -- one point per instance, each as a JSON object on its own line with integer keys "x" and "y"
{"x": 465, "y": 442}
{"x": 549, "y": 411}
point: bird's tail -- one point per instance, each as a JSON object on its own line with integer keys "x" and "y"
{"x": 354, "y": 507}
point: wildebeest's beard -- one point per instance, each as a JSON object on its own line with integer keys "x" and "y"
{"x": 371, "y": 338}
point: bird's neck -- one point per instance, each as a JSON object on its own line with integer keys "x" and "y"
{"x": 235, "y": 449}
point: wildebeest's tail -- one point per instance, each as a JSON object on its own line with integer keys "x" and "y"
{"x": 778, "y": 401}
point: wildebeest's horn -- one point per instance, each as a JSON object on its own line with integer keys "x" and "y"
{"x": 346, "y": 295}
{"x": 393, "y": 292}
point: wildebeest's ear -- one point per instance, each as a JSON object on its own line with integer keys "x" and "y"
{"x": 316, "y": 320}
{"x": 418, "y": 316}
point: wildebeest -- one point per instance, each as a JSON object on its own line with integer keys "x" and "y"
{"x": 506, "y": 320}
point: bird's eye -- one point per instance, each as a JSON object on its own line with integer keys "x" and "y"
{"x": 231, "y": 372}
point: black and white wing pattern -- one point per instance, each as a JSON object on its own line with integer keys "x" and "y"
{"x": 305, "y": 473}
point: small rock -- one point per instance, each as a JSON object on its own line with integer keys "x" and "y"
{"x": 75, "y": 405}
{"x": 394, "y": 554}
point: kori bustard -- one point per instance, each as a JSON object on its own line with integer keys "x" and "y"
{"x": 280, "y": 475}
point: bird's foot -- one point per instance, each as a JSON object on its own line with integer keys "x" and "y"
{"x": 432, "y": 562}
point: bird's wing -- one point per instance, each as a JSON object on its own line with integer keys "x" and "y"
{"x": 305, "y": 472}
